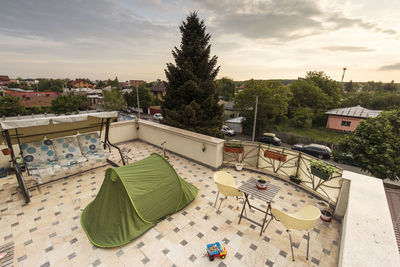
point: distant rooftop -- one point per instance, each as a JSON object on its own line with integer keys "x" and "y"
{"x": 158, "y": 87}
{"x": 357, "y": 112}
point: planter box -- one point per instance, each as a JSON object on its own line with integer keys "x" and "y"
{"x": 233, "y": 149}
{"x": 275, "y": 155}
{"x": 323, "y": 175}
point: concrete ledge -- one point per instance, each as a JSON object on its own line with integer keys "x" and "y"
{"x": 204, "y": 149}
{"x": 368, "y": 237}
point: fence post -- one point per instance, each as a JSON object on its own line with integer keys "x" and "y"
{"x": 298, "y": 165}
{"x": 258, "y": 154}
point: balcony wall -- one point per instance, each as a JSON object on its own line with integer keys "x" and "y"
{"x": 257, "y": 156}
{"x": 367, "y": 235}
{"x": 204, "y": 149}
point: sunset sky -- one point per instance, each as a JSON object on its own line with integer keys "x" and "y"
{"x": 131, "y": 39}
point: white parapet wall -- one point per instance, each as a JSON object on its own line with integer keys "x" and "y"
{"x": 123, "y": 131}
{"x": 204, "y": 149}
{"x": 367, "y": 237}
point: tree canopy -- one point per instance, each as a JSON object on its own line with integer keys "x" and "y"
{"x": 375, "y": 145}
{"x": 10, "y": 106}
{"x": 191, "y": 100}
{"x": 226, "y": 88}
{"x": 330, "y": 87}
{"x": 273, "y": 99}
{"x": 50, "y": 85}
{"x": 113, "y": 100}
{"x": 146, "y": 99}
{"x": 69, "y": 103}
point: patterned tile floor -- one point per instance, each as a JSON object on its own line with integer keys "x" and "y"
{"x": 47, "y": 231}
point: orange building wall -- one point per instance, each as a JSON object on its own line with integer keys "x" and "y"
{"x": 335, "y": 123}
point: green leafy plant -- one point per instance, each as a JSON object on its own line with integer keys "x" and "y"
{"x": 233, "y": 144}
{"x": 322, "y": 166}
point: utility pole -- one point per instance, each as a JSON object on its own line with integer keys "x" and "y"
{"x": 344, "y": 70}
{"x": 137, "y": 98}
{"x": 255, "y": 119}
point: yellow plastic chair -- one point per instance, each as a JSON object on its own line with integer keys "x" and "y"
{"x": 226, "y": 186}
{"x": 302, "y": 220}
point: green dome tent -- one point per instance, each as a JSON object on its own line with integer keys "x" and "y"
{"x": 132, "y": 199}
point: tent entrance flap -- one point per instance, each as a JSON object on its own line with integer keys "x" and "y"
{"x": 132, "y": 199}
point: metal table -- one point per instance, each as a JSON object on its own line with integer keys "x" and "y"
{"x": 249, "y": 189}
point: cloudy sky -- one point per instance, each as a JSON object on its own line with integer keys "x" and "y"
{"x": 260, "y": 39}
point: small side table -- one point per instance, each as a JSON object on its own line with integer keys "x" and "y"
{"x": 249, "y": 189}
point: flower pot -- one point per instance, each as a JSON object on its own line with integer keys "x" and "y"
{"x": 326, "y": 216}
{"x": 274, "y": 155}
{"x": 321, "y": 174}
{"x": 239, "y": 166}
{"x": 6, "y": 151}
{"x": 322, "y": 205}
{"x": 261, "y": 184}
{"x": 233, "y": 149}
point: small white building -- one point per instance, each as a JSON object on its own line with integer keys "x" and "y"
{"x": 235, "y": 124}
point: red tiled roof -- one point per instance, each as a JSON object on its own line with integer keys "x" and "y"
{"x": 37, "y": 101}
{"x": 4, "y": 78}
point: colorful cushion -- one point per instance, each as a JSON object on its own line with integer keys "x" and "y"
{"x": 38, "y": 152}
{"x": 97, "y": 157}
{"x": 71, "y": 161}
{"x": 67, "y": 147}
{"x": 46, "y": 169}
{"x": 90, "y": 143}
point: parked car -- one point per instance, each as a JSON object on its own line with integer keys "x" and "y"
{"x": 270, "y": 138}
{"x": 315, "y": 150}
{"x": 344, "y": 158}
{"x": 227, "y": 131}
{"x": 158, "y": 116}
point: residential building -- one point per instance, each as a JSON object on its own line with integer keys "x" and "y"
{"x": 235, "y": 124}
{"x": 27, "y": 94}
{"x": 4, "y": 80}
{"x": 134, "y": 83}
{"x": 347, "y": 119}
{"x": 30, "y": 99}
{"x": 79, "y": 83}
{"x": 229, "y": 111}
{"x": 158, "y": 90}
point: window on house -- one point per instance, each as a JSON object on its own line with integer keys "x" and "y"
{"x": 346, "y": 123}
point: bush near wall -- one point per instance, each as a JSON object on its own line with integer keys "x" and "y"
{"x": 292, "y": 139}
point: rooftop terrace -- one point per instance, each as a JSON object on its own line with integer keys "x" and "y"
{"x": 47, "y": 231}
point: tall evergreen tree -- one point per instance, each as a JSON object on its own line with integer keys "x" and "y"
{"x": 191, "y": 100}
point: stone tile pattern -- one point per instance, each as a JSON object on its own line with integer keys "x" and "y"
{"x": 47, "y": 231}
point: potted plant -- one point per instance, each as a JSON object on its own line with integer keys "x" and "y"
{"x": 238, "y": 166}
{"x": 233, "y": 147}
{"x": 326, "y": 215}
{"x": 322, "y": 169}
{"x": 275, "y": 155}
{"x": 261, "y": 184}
{"x": 322, "y": 205}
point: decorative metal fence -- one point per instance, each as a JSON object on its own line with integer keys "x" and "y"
{"x": 286, "y": 163}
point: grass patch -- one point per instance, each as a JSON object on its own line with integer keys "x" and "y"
{"x": 317, "y": 134}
